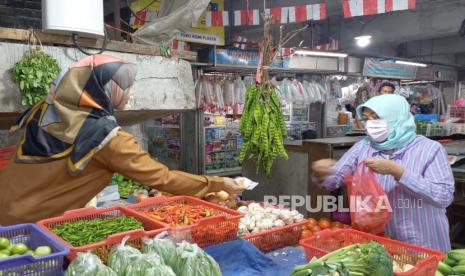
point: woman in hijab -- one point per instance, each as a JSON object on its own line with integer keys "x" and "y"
{"x": 72, "y": 145}
{"x": 413, "y": 171}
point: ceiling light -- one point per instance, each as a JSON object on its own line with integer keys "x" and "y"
{"x": 410, "y": 63}
{"x": 363, "y": 40}
{"x": 320, "y": 53}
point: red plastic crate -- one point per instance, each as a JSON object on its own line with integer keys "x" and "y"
{"x": 276, "y": 238}
{"x": 208, "y": 231}
{"x": 5, "y": 155}
{"x": 103, "y": 248}
{"x": 425, "y": 261}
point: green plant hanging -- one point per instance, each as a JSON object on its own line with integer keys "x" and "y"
{"x": 34, "y": 74}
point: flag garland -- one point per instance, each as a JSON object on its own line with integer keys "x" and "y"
{"x": 353, "y": 8}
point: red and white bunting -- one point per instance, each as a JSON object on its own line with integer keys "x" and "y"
{"x": 400, "y": 5}
{"x": 353, "y": 8}
{"x": 246, "y": 17}
{"x": 308, "y": 12}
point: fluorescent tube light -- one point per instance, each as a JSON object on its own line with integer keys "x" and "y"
{"x": 320, "y": 53}
{"x": 410, "y": 63}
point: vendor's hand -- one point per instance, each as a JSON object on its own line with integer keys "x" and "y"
{"x": 323, "y": 168}
{"x": 384, "y": 166}
{"x": 232, "y": 186}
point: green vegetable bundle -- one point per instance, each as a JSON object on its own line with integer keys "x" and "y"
{"x": 88, "y": 264}
{"x": 149, "y": 264}
{"x": 368, "y": 259}
{"x": 34, "y": 74}
{"x": 165, "y": 248}
{"x": 121, "y": 257}
{"x": 454, "y": 264}
{"x": 126, "y": 186}
{"x": 193, "y": 261}
{"x": 84, "y": 232}
{"x": 262, "y": 126}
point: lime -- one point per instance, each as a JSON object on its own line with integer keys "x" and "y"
{"x": 19, "y": 249}
{"x": 30, "y": 252}
{"x": 42, "y": 251}
{"x": 4, "y": 256}
{"x": 5, "y": 251}
{"x": 4, "y": 243}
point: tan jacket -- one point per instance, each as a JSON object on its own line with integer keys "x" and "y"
{"x": 30, "y": 192}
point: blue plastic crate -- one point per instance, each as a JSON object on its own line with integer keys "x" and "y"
{"x": 32, "y": 236}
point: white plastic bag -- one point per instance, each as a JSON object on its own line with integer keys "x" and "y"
{"x": 218, "y": 92}
{"x": 239, "y": 91}
{"x": 228, "y": 93}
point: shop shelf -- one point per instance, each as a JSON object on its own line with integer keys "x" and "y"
{"x": 208, "y": 231}
{"x": 32, "y": 236}
{"x": 425, "y": 261}
{"x": 103, "y": 248}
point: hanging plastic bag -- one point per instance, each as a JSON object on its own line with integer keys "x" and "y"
{"x": 239, "y": 91}
{"x": 300, "y": 94}
{"x": 249, "y": 81}
{"x": 370, "y": 210}
{"x": 207, "y": 91}
{"x": 218, "y": 92}
{"x": 199, "y": 101}
{"x": 228, "y": 93}
{"x": 88, "y": 264}
{"x": 284, "y": 91}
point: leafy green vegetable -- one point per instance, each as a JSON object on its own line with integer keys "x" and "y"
{"x": 165, "y": 248}
{"x": 121, "y": 257}
{"x": 193, "y": 261}
{"x": 262, "y": 126}
{"x": 149, "y": 264}
{"x": 88, "y": 264}
{"x": 126, "y": 186}
{"x": 83, "y": 232}
{"x": 368, "y": 259}
{"x": 34, "y": 74}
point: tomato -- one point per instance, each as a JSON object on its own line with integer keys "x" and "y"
{"x": 324, "y": 224}
{"x": 311, "y": 222}
{"x": 315, "y": 228}
{"x": 306, "y": 234}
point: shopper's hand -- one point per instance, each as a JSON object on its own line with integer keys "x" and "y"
{"x": 384, "y": 166}
{"x": 232, "y": 186}
{"x": 323, "y": 168}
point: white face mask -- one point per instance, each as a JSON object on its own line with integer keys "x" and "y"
{"x": 378, "y": 130}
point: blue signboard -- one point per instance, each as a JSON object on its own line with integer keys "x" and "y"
{"x": 388, "y": 68}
